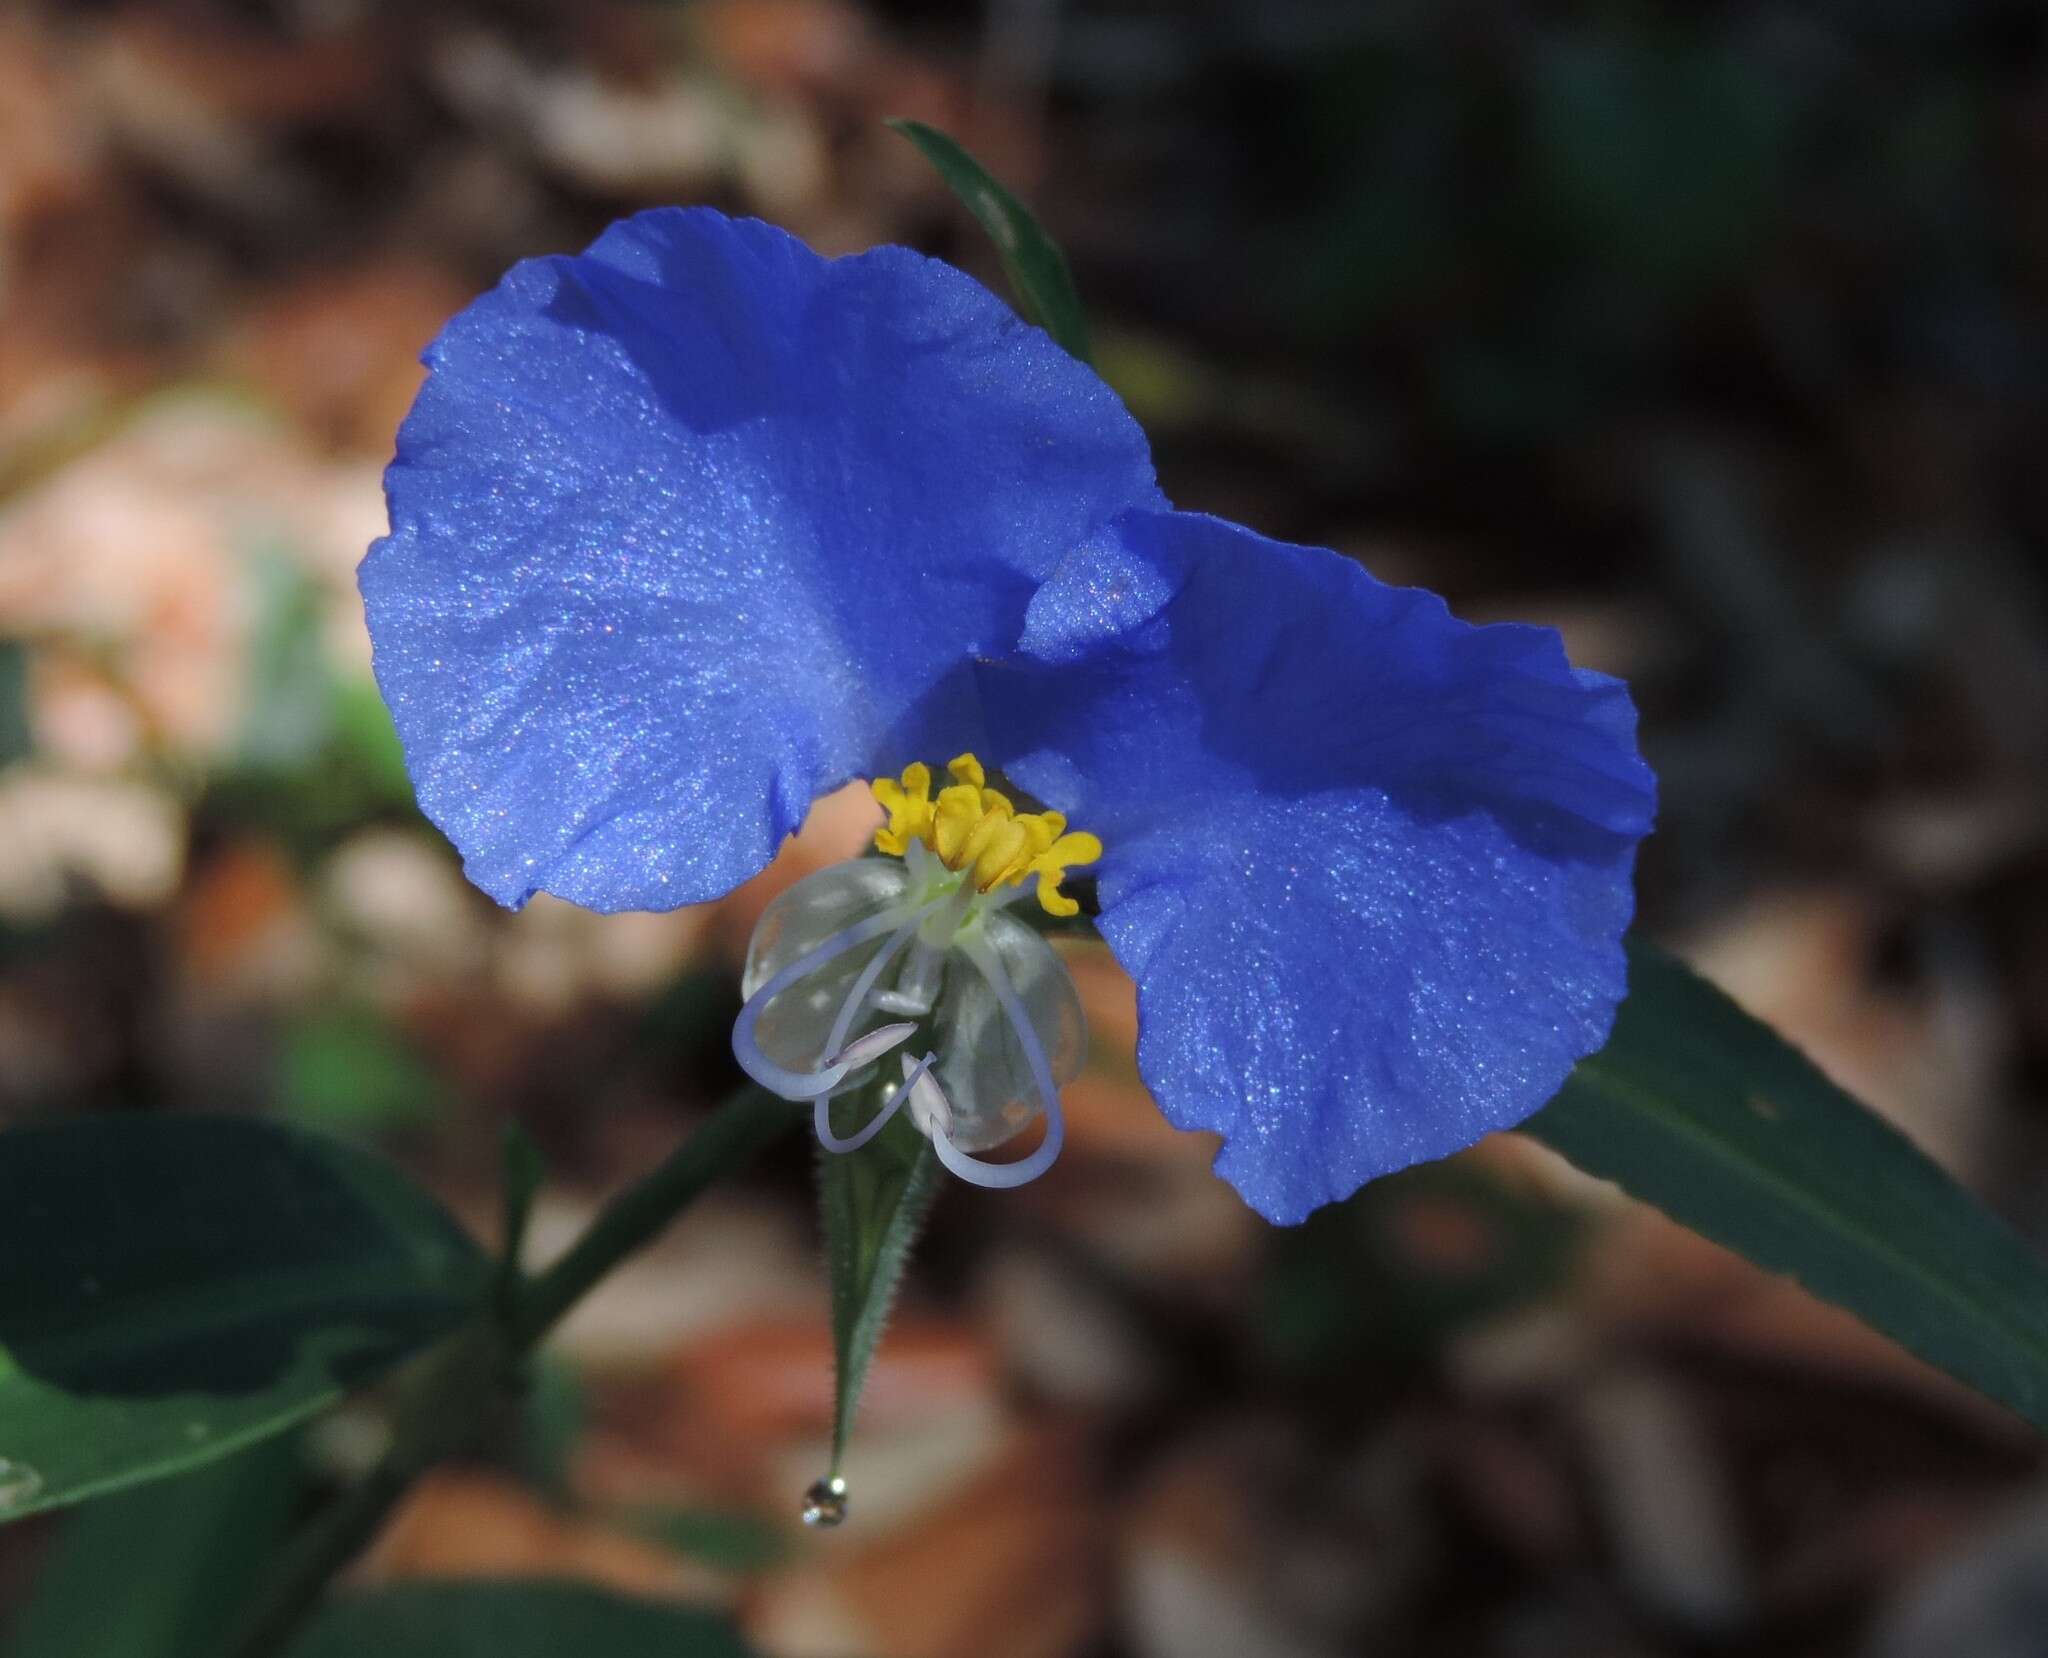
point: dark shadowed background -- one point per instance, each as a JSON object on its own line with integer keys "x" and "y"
{"x": 1713, "y": 334}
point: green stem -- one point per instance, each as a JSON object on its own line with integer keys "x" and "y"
{"x": 728, "y": 1140}
{"x": 440, "y": 1414}
{"x": 470, "y": 1365}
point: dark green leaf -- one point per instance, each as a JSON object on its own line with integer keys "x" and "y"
{"x": 554, "y": 1416}
{"x": 1700, "y": 1109}
{"x": 1031, "y": 259}
{"x": 731, "y": 1540}
{"x": 512, "y": 1620}
{"x": 875, "y": 1201}
{"x": 14, "y": 729}
{"x": 173, "y": 1288}
{"x": 184, "y": 1550}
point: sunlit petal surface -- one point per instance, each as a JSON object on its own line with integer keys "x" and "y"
{"x": 1369, "y": 865}
{"x": 691, "y": 528}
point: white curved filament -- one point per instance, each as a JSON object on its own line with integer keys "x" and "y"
{"x": 821, "y": 1113}
{"x": 746, "y": 1047}
{"x": 857, "y": 994}
{"x": 1003, "y": 1175}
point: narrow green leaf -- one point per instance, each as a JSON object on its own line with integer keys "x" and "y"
{"x": 522, "y": 1171}
{"x": 524, "y": 1619}
{"x": 173, "y": 1288}
{"x": 1031, "y": 259}
{"x": 1698, "y": 1108}
{"x": 184, "y": 1550}
{"x": 874, "y": 1201}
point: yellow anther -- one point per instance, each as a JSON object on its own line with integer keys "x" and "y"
{"x": 1051, "y": 865}
{"x": 909, "y": 807}
{"x": 976, "y": 828}
{"x": 997, "y": 817}
{"x": 953, "y": 820}
{"x": 1006, "y": 848}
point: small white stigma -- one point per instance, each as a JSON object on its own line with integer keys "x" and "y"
{"x": 929, "y": 1107}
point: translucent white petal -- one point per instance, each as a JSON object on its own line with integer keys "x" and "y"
{"x": 794, "y": 1027}
{"x": 982, "y": 1066}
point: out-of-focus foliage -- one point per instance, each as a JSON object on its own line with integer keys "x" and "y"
{"x": 240, "y": 1276}
{"x": 183, "y": 1549}
{"x": 509, "y": 1620}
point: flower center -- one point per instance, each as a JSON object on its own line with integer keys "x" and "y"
{"x": 977, "y": 832}
{"x": 859, "y": 968}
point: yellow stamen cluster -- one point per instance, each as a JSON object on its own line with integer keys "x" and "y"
{"x": 974, "y": 827}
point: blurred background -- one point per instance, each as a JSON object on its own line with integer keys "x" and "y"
{"x": 1713, "y": 334}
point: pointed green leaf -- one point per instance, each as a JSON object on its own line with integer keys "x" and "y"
{"x": 1031, "y": 259}
{"x": 525, "y": 1619}
{"x": 875, "y": 1202}
{"x": 173, "y": 1288}
{"x": 521, "y": 1171}
{"x": 1700, "y": 1109}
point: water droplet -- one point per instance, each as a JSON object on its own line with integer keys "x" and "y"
{"x": 19, "y": 1485}
{"x": 825, "y": 1502}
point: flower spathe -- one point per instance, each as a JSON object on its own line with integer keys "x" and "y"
{"x": 696, "y": 526}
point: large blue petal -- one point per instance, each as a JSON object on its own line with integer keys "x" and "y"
{"x": 691, "y": 528}
{"x": 1369, "y": 865}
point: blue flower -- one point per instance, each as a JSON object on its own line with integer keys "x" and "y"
{"x": 697, "y": 526}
